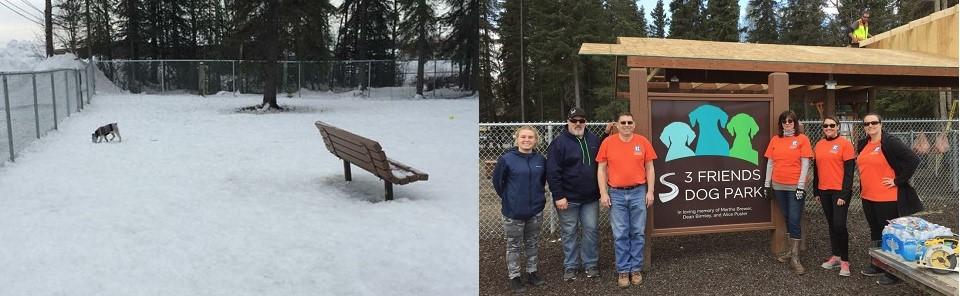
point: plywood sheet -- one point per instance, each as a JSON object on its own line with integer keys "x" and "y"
{"x": 934, "y": 34}
{"x": 777, "y": 53}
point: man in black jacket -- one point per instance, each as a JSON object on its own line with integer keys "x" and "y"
{"x": 572, "y": 177}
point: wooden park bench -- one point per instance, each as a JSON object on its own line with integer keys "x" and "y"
{"x": 368, "y": 155}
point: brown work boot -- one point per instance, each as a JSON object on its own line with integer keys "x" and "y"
{"x": 795, "y": 258}
{"x": 785, "y": 256}
{"x": 623, "y": 280}
{"x": 636, "y": 278}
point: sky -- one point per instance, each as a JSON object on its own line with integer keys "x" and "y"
{"x": 15, "y": 27}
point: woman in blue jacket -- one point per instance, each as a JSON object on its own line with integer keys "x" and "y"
{"x": 519, "y": 178}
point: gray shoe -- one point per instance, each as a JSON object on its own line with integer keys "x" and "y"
{"x": 593, "y": 272}
{"x": 569, "y": 275}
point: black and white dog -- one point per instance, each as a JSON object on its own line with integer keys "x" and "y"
{"x": 102, "y": 132}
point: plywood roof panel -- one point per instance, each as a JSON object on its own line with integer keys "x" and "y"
{"x": 692, "y": 54}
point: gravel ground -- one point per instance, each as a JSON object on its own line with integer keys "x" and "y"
{"x": 713, "y": 264}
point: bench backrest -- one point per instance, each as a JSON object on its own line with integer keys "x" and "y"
{"x": 359, "y": 151}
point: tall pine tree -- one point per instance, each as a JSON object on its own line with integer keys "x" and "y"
{"x": 512, "y": 58}
{"x": 463, "y": 42}
{"x": 686, "y": 19}
{"x": 658, "y": 28}
{"x": 68, "y": 18}
{"x": 762, "y": 23}
{"x": 415, "y": 31}
{"x": 721, "y": 20}
{"x": 365, "y": 36}
{"x": 802, "y": 23}
{"x": 487, "y": 65}
{"x": 625, "y": 19}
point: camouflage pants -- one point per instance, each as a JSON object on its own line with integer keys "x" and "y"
{"x": 522, "y": 236}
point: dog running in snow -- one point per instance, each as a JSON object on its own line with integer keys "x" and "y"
{"x": 102, "y": 132}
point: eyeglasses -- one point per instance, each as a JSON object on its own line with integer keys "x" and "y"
{"x": 626, "y": 122}
{"x": 869, "y": 123}
{"x": 578, "y": 120}
{"x": 788, "y": 120}
{"x": 829, "y": 125}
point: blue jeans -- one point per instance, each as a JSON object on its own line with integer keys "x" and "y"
{"x": 628, "y": 218}
{"x": 792, "y": 209}
{"x": 576, "y": 214}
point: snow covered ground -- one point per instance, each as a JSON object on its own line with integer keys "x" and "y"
{"x": 201, "y": 200}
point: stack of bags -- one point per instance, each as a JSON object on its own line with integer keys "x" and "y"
{"x": 905, "y": 236}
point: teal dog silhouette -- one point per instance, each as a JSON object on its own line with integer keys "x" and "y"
{"x": 711, "y": 118}
{"x": 677, "y": 136}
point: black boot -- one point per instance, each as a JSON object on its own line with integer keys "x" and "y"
{"x": 871, "y": 269}
{"x": 535, "y": 279}
{"x": 517, "y": 285}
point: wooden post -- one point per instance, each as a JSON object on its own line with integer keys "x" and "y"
{"x": 388, "y": 188}
{"x": 346, "y": 169}
{"x": 779, "y": 87}
{"x": 639, "y": 101}
{"x": 830, "y": 103}
{"x": 640, "y": 108}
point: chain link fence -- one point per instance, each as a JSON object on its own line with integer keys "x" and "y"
{"x": 935, "y": 141}
{"x": 34, "y": 103}
{"x": 388, "y": 78}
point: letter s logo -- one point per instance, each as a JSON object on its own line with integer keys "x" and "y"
{"x": 668, "y": 196}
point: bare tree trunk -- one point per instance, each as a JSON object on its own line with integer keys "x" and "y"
{"x": 270, "y": 44}
{"x": 422, "y": 59}
{"x": 48, "y": 25}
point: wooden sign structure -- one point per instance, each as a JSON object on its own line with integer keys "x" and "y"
{"x": 706, "y": 203}
{"x": 669, "y": 79}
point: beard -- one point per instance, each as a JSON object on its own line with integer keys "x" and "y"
{"x": 576, "y": 131}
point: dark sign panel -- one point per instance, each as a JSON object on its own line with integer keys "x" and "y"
{"x": 710, "y": 166}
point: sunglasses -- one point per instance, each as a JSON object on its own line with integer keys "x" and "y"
{"x": 626, "y": 122}
{"x": 869, "y": 123}
{"x": 829, "y": 125}
{"x": 578, "y": 120}
{"x": 788, "y": 120}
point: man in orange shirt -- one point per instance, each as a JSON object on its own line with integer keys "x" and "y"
{"x": 624, "y": 173}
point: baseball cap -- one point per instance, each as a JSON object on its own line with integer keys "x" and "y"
{"x": 575, "y": 111}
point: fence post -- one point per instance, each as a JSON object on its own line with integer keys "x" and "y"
{"x": 369, "y": 73}
{"x": 435, "y": 82}
{"x": 76, "y": 80}
{"x": 553, "y": 218}
{"x": 53, "y": 93}
{"x": 6, "y": 103}
{"x": 93, "y": 77}
{"x": 89, "y": 77}
{"x": 66, "y": 90}
{"x": 161, "y": 77}
{"x": 330, "y": 76}
{"x": 36, "y": 107}
{"x": 233, "y": 70}
{"x": 299, "y": 79}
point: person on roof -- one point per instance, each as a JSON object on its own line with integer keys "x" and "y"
{"x": 860, "y": 29}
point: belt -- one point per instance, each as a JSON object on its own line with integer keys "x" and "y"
{"x": 626, "y": 187}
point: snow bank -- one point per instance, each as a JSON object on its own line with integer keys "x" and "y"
{"x": 18, "y": 56}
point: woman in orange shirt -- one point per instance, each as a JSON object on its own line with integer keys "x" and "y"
{"x": 832, "y": 179}
{"x": 788, "y": 156}
{"x": 886, "y": 166}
